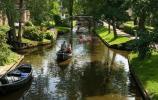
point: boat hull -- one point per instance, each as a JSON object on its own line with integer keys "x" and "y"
{"x": 61, "y": 56}
{"x": 10, "y": 87}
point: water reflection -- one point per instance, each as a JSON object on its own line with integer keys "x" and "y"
{"x": 95, "y": 72}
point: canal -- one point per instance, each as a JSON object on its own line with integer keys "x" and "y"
{"x": 95, "y": 72}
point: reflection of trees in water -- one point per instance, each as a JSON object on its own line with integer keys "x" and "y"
{"x": 39, "y": 88}
{"x": 97, "y": 80}
{"x": 91, "y": 80}
{"x": 69, "y": 84}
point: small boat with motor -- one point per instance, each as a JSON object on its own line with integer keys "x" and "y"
{"x": 15, "y": 79}
{"x": 64, "y": 53}
{"x": 62, "y": 56}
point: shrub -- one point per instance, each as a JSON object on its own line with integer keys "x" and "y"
{"x": 57, "y": 20}
{"x": 29, "y": 23}
{"x": 4, "y": 48}
{"x": 49, "y": 35}
{"x": 65, "y": 23}
{"x": 143, "y": 44}
{"x": 49, "y": 24}
{"x": 32, "y": 33}
{"x": 4, "y": 28}
{"x": 63, "y": 29}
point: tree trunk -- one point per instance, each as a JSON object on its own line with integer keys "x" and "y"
{"x": 12, "y": 33}
{"x": 135, "y": 21}
{"x": 109, "y": 30}
{"x": 89, "y": 26}
{"x": 114, "y": 28}
{"x": 141, "y": 23}
{"x": 71, "y": 21}
{"x": 94, "y": 25}
{"x": 20, "y": 21}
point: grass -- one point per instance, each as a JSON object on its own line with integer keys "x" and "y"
{"x": 147, "y": 71}
{"x": 4, "y": 28}
{"x": 62, "y": 29}
{"x": 103, "y": 33}
{"x": 24, "y": 40}
{"x": 130, "y": 24}
{"x": 74, "y": 23}
{"x": 11, "y": 59}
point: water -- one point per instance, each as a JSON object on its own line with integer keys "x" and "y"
{"x": 95, "y": 72}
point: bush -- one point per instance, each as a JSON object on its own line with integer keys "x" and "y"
{"x": 63, "y": 29}
{"x": 57, "y": 20}
{"x": 143, "y": 44}
{"x": 29, "y": 23}
{"x": 4, "y": 28}
{"x": 65, "y": 23}
{"x": 4, "y": 48}
{"x": 48, "y": 35}
{"x": 49, "y": 24}
{"x": 32, "y": 33}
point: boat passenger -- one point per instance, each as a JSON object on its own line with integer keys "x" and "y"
{"x": 69, "y": 50}
{"x": 63, "y": 46}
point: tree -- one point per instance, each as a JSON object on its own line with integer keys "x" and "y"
{"x": 9, "y": 7}
{"x": 68, "y": 5}
{"x": 139, "y": 8}
{"x": 4, "y": 51}
{"x": 21, "y": 7}
{"x": 146, "y": 13}
{"x": 41, "y": 10}
{"x": 116, "y": 11}
{"x": 113, "y": 11}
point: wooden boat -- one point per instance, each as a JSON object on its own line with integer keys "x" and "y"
{"x": 16, "y": 79}
{"x": 62, "y": 56}
{"x": 64, "y": 63}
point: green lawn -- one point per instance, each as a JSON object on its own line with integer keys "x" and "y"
{"x": 13, "y": 57}
{"x": 147, "y": 71}
{"x": 103, "y": 33}
{"x": 130, "y": 24}
{"x": 62, "y": 29}
{"x": 74, "y": 23}
{"x": 4, "y": 28}
{"x": 24, "y": 40}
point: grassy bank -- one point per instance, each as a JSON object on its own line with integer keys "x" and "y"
{"x": 6, "y": 55}
{"x": 62, "y": 29}
{"x": 12, "y": 58}
{"x": 109, "y": 37}
{"x": 147, "y": 71}
{"x": 35, "y": 43}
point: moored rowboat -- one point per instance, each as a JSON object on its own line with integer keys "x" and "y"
{"x": 16, "y": 79}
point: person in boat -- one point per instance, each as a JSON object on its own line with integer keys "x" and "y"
{"x": 63, "y": 46}
{"x": 69, "y": 49}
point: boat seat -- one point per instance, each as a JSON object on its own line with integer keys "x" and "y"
{"x": 12, "y": 79}
{"x": 14, "y": 73}
{"x": 1, "y": 83}
{"x": 23, "y": 75}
